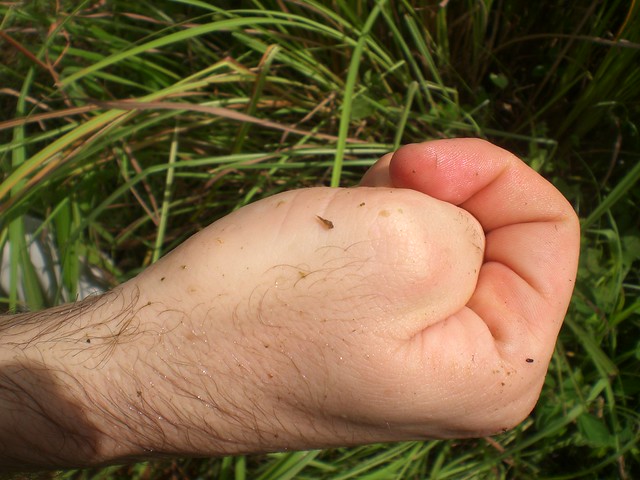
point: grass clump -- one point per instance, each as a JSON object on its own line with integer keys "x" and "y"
{"x": 128, "y": 126}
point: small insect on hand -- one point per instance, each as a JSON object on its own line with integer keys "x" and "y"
{"x": 328, "y": 224}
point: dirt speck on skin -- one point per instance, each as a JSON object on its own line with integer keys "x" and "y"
{"x": 384, "y": 213}
{"x": 328, "y": 224}
{"x": 362, "y": 204}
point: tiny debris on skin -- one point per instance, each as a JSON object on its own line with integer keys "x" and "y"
{"x": 327, "y": 223}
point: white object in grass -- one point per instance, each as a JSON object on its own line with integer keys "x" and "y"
{"x": 44, "y": 257}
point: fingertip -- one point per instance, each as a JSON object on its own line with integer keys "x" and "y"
{"x": 451, "y": 170}
{"x": 411, "y": 166}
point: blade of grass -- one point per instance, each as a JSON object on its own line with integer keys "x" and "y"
{"x": 620, "y": 190}
{"x": 399, "y": 38}
{"x": 54, "y": 149}
{"x": 369, "y": 463}
{"x": 265, "y": 64}
{"x": 65, "y": 220}
{"x": 220, "y": 25}
{"x": 413, "y": 88}
{"x": 288, "y": 465}
{"x": 240, "y": 472}
{"x": 547, "y": 431}
{"x": 166, "y": 199}
{"x": 20, "y": 263}
{"x": 128, "y": 105}
{"x": 100, "y": 124}
{"x": 418, "y": 36}
{"x": 347, "y": 103}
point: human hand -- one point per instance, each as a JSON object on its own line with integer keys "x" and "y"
{"x": 325, "y": 317}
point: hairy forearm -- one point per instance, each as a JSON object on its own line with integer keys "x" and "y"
{"x": 39, "y": 415}
{"x": 54, "y": 371}
{"x": 119, "y": 377}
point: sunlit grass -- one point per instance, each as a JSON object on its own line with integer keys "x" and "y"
{"x": 128, "y": 126}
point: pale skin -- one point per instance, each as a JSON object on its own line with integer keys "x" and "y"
{"x": 423, "y": 304}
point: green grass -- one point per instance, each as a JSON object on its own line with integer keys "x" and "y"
{"x": 229, "y": 102}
